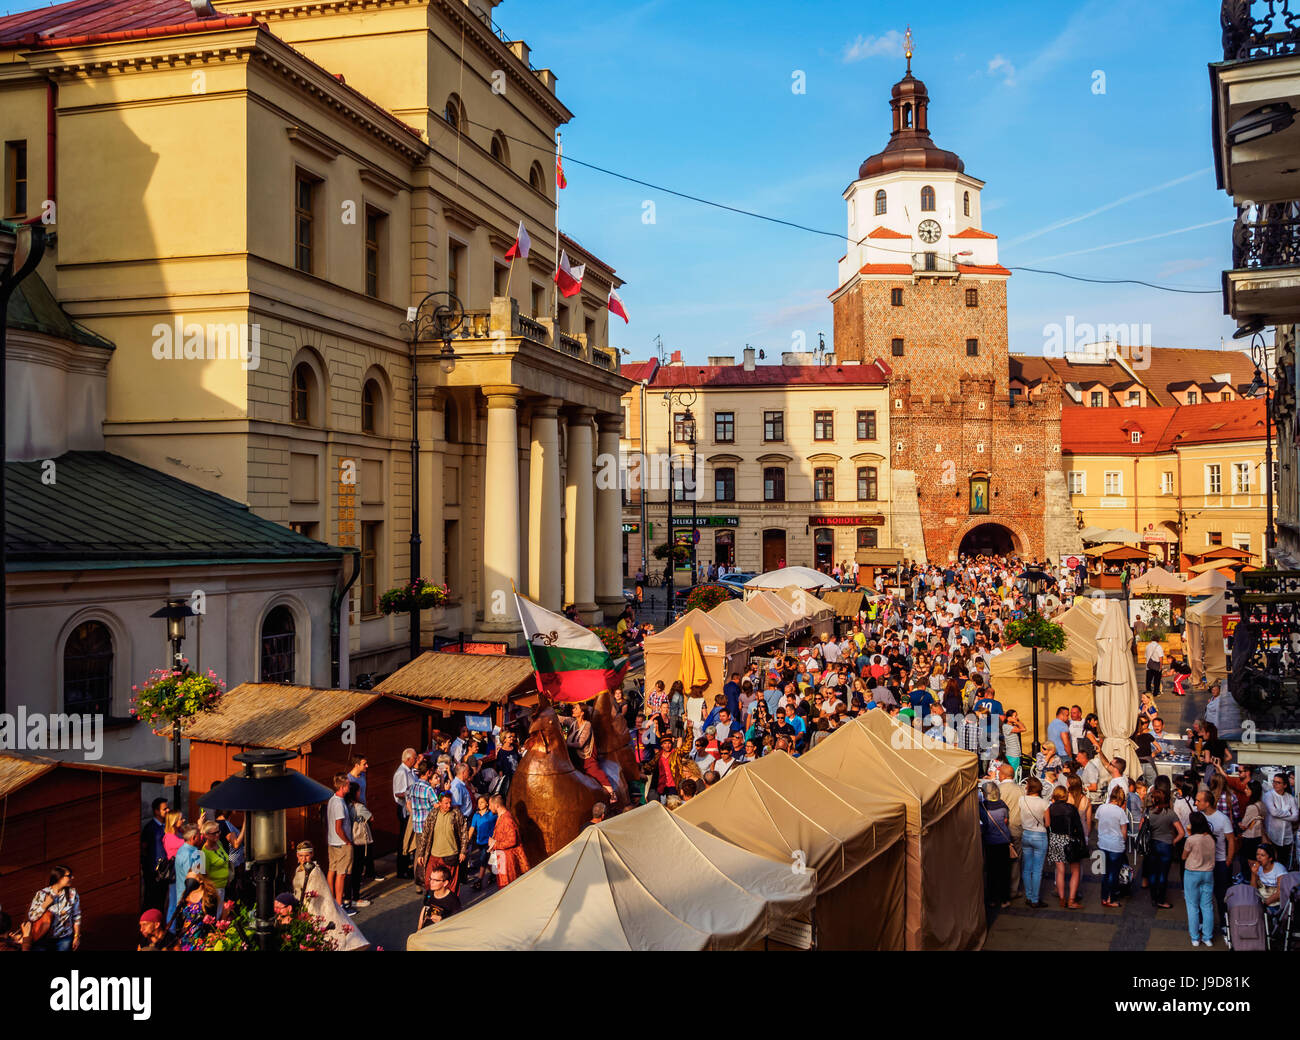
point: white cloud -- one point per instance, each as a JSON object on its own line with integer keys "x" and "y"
{"x": 888, "y": 44}
{"x": 999, "y": 66}
{"x": 1174, "y": 267}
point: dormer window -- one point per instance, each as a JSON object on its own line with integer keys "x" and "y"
{"x": 927, "y": 199}
{"x": 1135, "y": 436}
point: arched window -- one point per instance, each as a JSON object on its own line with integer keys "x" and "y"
{"x": 880, "y": 202}
{"x": 907, "y": 117}
{"x": 500, "y": 150}
{"x": 372, "y": 407}
{"x": 88, "y": 669}
{"x": 537, "y": 178}
{"x": 279, "y": 643}
{"x": 965, "y": 204}
{"x": 300, "y": 394}
{"x": 454, "y": 113}
{"x": 927, "y": 199}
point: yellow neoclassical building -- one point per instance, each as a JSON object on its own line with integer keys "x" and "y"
{"x": 247, "y": 200}
{"x": 1187, "y": 479}
{"x": 791, "y": 464}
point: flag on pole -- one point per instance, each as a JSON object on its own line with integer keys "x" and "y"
{"x": 571, "y": 662}
{"x": 569, "y": 279}
{"x": 560, "y": 182}
{"x": 615, "y": 305}
{"x": 521, "y": 246}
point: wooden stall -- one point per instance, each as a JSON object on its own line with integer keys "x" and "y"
{"x": 455, "y": 685}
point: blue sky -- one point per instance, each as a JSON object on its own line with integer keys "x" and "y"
{"x": 697, "y": 97}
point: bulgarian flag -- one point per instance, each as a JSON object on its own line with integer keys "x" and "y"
{"x": 560, "y": 182}
{"x": 571, "y": 662}
{"x": 569, "y": 279}
{"x": 616, "y": 306}
{"x": 522, "y": 244}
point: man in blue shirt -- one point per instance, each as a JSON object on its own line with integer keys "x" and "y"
{"x": 1058, "y": 732}
{"x": 993, "y": 705}
{"x": 732, "y": 692}
{"x": 461, "y": 796}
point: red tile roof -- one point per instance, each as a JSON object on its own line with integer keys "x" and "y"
{"x": 971, "y": 232}
{"x": 1106, "y": 431}
{"x": 770, "y": 375}
{"x": 885, "y": 269}
{"x": 982, "y": 269}
{"x": 884, "y": 232}
{"x": 638, "y": 370}
{"x": 82, "y": 20}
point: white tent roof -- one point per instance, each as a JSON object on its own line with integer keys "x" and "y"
{"x": 1158, "y": 581}
{"x": 1214, "y": 607}
{"x": 800, "y": 577}
{"x": 644, "y": 880}
{"x": 1207, "y": 582}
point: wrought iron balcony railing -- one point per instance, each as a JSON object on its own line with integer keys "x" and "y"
{"x": 1254, "y": 29}
{"x": 1266, "y": 236}
{"x": 1265, "y": 676}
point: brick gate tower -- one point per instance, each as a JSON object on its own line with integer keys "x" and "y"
{"x": 974, "y": 467}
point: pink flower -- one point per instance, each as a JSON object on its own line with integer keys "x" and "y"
{"x": 347, "y": 929}
{"x": 379, "y": 949}
{"x": 209, "y": 919}
{"x": 229, "y": 905}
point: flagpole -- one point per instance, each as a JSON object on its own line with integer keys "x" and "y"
{"x": 510, "y": 271}
{"x": 555, "y": 304}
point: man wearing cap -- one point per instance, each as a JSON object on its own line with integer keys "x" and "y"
{"x": 153, "y": 931}
{"x": 444, "y": 841}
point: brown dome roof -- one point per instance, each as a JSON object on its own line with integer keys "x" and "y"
{"x": 910, "y": 147}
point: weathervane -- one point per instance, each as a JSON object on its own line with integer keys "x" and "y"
{"x": 907, "y": 49}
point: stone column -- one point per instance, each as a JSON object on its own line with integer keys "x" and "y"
{"x": 501, "y": 511}
{"x": 609, "y": 517}
{"x": 545, "y": 505}
{"x": 433, "y": 437}
{"x": 579, "y": 520}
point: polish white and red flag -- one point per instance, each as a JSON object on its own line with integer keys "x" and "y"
{"x": 569, "y": 279}
{"x": 521, "y": 246}
{"x": 616, "y": 305}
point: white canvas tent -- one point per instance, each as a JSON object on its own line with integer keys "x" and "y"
{"x": 799, "y": 577}
{"x": 645, "y": 880}
{"x": 1204, "y": 638}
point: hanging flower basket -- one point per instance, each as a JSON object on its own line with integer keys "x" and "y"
{"x": 304, "y": 933}
{"x": 1036, "y": 630}
{"x": 416, "y": 595}
{"x": 172, "y": 696}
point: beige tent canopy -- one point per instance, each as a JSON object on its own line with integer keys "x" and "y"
{"x": 945, "y": 890}
{"x": 807, "y": 606}
{"x": 846, "y": 602}
{"x": 1207, "y": 583}
{"x": 1157, "y": 582}
{"x": 645, "y": 880}
{"x": 1204, "y": 638}
{"x": 854, "y": 839}
{"x": 723, "y": 649}
{"x": 740, "y": 617}
{"x": 779, "y": 611}
{"x": 1080, "y": 622}
{"x": 1063, "y": 680}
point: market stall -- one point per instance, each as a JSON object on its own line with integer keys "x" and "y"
{"x": 1064, "y": 679}
{"x": 1204, "y": 639}
{"x": 817, "y": 612}
{"x": 724, "y": 650}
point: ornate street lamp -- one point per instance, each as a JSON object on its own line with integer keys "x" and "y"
{"x": 176, "y": 611}
{"x": 436, "y": 317}
{"x": 1259, "y": 354}
{"x": 1035, "y": 583}
{"x": 264, "y": 790}
{"x": 675, "y": 397}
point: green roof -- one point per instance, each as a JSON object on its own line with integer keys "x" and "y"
{"x": 33, "y": 307}
{"x": 105, "y": 511}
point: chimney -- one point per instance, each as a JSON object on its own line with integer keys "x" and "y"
{"x": 676, "y": 358}
{"x": 722, "y": 362}
{"x": 749, "y": 359}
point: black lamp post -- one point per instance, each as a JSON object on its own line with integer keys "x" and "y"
{"x": 1259, "y": 354}
{"x": 264, "y": 790}
{"x": 1035, "y": 583}
{"x": 437, "y": 316}
{"x": 673, "y": 398}
{"x": 176, "y": 611}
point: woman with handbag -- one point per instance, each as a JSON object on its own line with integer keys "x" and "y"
{"x": 1066, "y": 846}
{"x": 995, "y": 829}
{"x": 1165, "y": 831}
{"x": 55, "y": 914}
{"x": 1112, "y": 839}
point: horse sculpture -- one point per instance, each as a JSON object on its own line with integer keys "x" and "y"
{"x": 614, "y": 747}
{"x": 550, "y": 798}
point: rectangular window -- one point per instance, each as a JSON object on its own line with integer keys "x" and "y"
{"x": 1213, "y": 479}
{"x": 370, "y": 567}
{"x": 1241, "y": 541}
{"x": 16, "y": 178}
{"x": 1167, "y": 482}
{"x": 306, "y": 528}
{"x": 375, "y": 225}
{"x": 1095, "y": 399}
{"x": 972, "y": 297}
{"x": 724, "y": 427}
{"x": 724, "y": 484}
{"x": 683, "y": 428}
{"x": 896, "y": 297}
{"x": 823, "y": 426}
{"x": 1135, "y": 436}
{"x": 932, "y": 261}
{"x": 774, "y": 426}
{"x": 1193, "y": 397}
{"x": 866, "y": 537}
{"x": 589, "y": 330}
{"x": 683, "y": 482}
{"x": 824, "y": 484}
{"x": 1241, "y": 478}
{"x": 305, "y": 222}
{"x": 457, "y": 275}
{"x": 972, "y": 348}
{"x": 1114, "y": 482}
{"x": 866, "y": 426}
{"x": 539, "y": 300}
{"x": 896, "y": 347}
{"x": 500, "y": 276}
{"x": 1078, "y": 482}
{"x": 774, "y": 484}
{"x": 1213, "y": 537}
{"x": 868, "y": 486}
{"x": 1135, "y": 397}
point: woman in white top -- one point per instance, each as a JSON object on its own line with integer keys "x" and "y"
{"x": 1033, "y": 840}
{"x": 1112, "y": 839}
{"x": 1280, "y": 816}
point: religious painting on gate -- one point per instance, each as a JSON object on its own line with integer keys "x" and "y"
{"x": 979, "y": 495}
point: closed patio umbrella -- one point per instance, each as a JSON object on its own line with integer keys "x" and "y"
{"x": 1117, "y": 690}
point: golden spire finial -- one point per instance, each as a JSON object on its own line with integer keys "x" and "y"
{"x": 907, "y": 48}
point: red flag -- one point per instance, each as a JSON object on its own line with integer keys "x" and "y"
{"x": 569, "y": 279}
{"x": 615, "y": 305}
{"x": 521, "y": 246}
{"x": 560, "y": 182}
